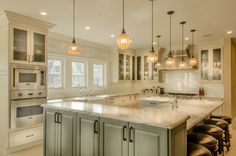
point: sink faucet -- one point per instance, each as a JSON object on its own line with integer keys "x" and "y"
{"x": 174, "y": 104}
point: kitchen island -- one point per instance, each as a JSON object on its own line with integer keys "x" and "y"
{"x": 87, "y": 129}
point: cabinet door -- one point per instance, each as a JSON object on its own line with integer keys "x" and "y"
{"x": 146, "y": 71}
{"x": 216, "y": 64}
{"x": 128, "y": 67}
{"x": 20, "y": 45}
{"x": 139, "y": 71}
{"x": 205, "y": 67}
{"x": 87, "y": 135}
{"x": 113, "y": 137}
{"x": 50, "y": 133}
{"x": 67, "y": 133}
{"x": 121, "y": 67}
{"x": 147, "y": 141}
{"x": 39, "y": 48}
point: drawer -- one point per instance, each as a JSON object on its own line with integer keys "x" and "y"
{"x": 26, "y": 136}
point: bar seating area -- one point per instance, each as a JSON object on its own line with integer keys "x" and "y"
{"x": 213, "y": 135}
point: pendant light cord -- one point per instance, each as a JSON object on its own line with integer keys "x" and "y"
{"x": 152, "y": 27}
{"x": 182, "y": 41}
{"x": 170, "y": 35}
{"x": 123, "y": 16}
{"x": 73, "y": 19}
{"x": 192, "y": 43}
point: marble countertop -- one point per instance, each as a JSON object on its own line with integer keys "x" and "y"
{"x": 116, "y": 94}
{"x": 159, "y": 115}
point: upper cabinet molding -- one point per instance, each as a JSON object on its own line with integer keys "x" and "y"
{"x": 16, "y": 18}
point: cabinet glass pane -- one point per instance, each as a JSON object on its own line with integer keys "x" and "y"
{"x": 19, "y": 45}
{"x": 146, "y": 68}
{"x": 217, "y": 64}
{"x": 139, "y": 68}
{"x": 204, "y": 64}
{"x": 121, "y": 66}
{"x": 154, "y": 71}
{"x": 128, "y": 67}
{"x": 39, "y": 47}
{"x": 133, "y": 68}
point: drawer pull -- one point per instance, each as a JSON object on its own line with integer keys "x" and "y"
{"x": 28, "y": 136}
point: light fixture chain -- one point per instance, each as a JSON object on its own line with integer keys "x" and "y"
{"x": 73, "y": 19}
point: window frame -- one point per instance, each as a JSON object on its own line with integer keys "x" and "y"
{"x": 86, "y": 75}
{"x": 104, "y": 74}
{"x": 62, "y": 73}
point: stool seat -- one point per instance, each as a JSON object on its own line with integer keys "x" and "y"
{"x": 197, "y": 150}
{"x": 223, "y": 117}
{"x": 203, "y": 139}
{"x": 218, "y": 122}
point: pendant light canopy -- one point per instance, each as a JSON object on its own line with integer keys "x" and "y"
{"x": 123, "y": 40}
{"x": 152, "y": 58}
{"x": 74, "y": 48}
{"x": 170, "y": 60}
{"x": 182, "y": 62}
{"x": 193, "y": 60}
{"x": 158, "y": 51}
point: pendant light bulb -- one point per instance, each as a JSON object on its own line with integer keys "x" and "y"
{"x": 170, "y": 61}
{"x": 158, "y": 64}
{"x": 152, "y": 57}
{"x": 74, "y": 48}
{"x": 192, "y": 60}
{"x": 123, "y": 40}
{"x": 182, "y": 64}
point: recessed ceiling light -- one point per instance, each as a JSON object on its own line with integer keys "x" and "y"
{"x": 186, "y": 38}
{"x": 43, "y": 13}
{"x": 112, "y": 36}
{"x": 87, "y": 28}
{"x": 229, "y": 32}
{"x": 130, "y": 41}
{"x": 154, "y": 43}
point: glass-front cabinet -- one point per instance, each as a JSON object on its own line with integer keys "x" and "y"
{"x": 29, "y": 47}
{"x": 211, "y": 64}
{"x": 125, "y": 66}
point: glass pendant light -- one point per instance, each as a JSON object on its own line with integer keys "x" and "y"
{"x": 170, "y": 60}
{"x": 74, "y": 48}
{"x": 158, "y": 51}
{"x": 123, "y": 39}
{"x": 152, "y": 57}
{"x": 193, "y": 60}
{"x": 182, "y": 62}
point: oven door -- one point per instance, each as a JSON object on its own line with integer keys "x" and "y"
{"x": 26, "y": 113}
{"x": 24, "y": 78}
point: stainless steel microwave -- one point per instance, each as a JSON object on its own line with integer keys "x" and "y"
{"x": 28, "y": 77}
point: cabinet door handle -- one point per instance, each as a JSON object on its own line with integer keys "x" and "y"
{"x": 130, "y": 134}
{"x": 28, "y": 136}
{"x": 28, "y": 58}
{"x": 59, "y": 118}
{"x": 96, "y": 126}
{"x": 55, "y": 117}
{"x": 124, "y": 132}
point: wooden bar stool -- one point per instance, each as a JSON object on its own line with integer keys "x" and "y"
{"x": 197, "y": 150}
{"x": 205, "y": 140}
{"x": 213, "y": 131}
{"x": 224, "y": 125}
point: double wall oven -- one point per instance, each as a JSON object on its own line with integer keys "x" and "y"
{"x": 28, "y": 92}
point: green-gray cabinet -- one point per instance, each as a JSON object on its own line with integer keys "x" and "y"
{"x": 59, "y": 128}
{"x": 87, "y": 135}
{"x": 120, "y": 138}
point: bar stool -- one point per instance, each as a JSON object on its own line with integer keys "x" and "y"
{"x": 223, "y": 117}
{"x": 224, "y": 125}
{"x": 197, "y": 150}
{"x": 205, "y": 140}
{"x": 213, "y": 131}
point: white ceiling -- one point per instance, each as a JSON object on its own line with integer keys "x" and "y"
{"x": 104, "y": 17}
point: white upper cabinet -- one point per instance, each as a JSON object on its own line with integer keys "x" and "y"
{"x": 125, "y": 66}
{"x": 27, "y": 43}
{"x": 28, "y": 46}
{"x": 211, "y": 64}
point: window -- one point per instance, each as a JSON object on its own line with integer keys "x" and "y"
{"x": 98, "y": 75}
{"x": 78, "y": 74}
{"x": 54, "y": 73}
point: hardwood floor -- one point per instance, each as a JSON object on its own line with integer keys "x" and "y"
{"x": 38, "y": 150}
